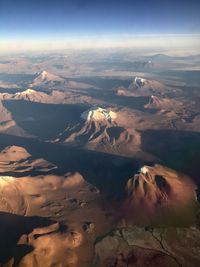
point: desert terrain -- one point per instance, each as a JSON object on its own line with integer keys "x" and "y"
{"x": 99, "y": 159}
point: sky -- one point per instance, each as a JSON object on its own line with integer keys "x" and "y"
{"x": 61, "y": 23}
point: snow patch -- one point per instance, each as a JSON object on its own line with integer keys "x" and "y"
{"x": 139, "y": 82}
{"x": 98, "y": 114}
{"x": 28, "y": 91}
{"x": 144, "y": 170}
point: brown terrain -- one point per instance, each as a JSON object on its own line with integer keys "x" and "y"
{"x": 98, "y": 130}
{"x": 158, "y": 191}
{"x": 99, "y": 163}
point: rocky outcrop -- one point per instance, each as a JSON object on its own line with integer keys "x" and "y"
{"x": 17, "y": 160}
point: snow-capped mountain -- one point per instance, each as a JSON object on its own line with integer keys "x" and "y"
{"x": 156, "y": 102}
{"x": 98, "y": 129}
{"x": 98, "y": 114}
{"x": 44, "y": 78}
{"x": 159, "y": 191}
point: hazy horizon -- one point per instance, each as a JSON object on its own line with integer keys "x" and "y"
{"x": 82, "y": 24}
{"x": 184, "y": 43}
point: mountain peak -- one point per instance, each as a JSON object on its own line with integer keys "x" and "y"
{"x": 43, "y": 74}
{"x": 157, "y": 102}
{"x": 139, "y": 82}
{"x": 45, "y": 77}
{"x": 157, "y": 185}
{"x": 98, "y": 114}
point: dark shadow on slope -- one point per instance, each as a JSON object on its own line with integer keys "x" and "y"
{"x": 103, "y": 82}
{"x": 177, "y": 149}
{"x": 107, "y": 172}
{"x": 107, "y": 93}
{"x": 45, "y": 121}
{"x": 188, "y": 76}
{"x": 12, "y": 227}
{"x": 10, "y": 90}
{"x": 16, "y": 78}
{"x": 130, "y": 101}
{"x": 110, "y": 97}
{"x": 35, "y": 172}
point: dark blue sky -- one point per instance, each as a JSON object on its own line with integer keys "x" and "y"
{"x": 44, "y": 19}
